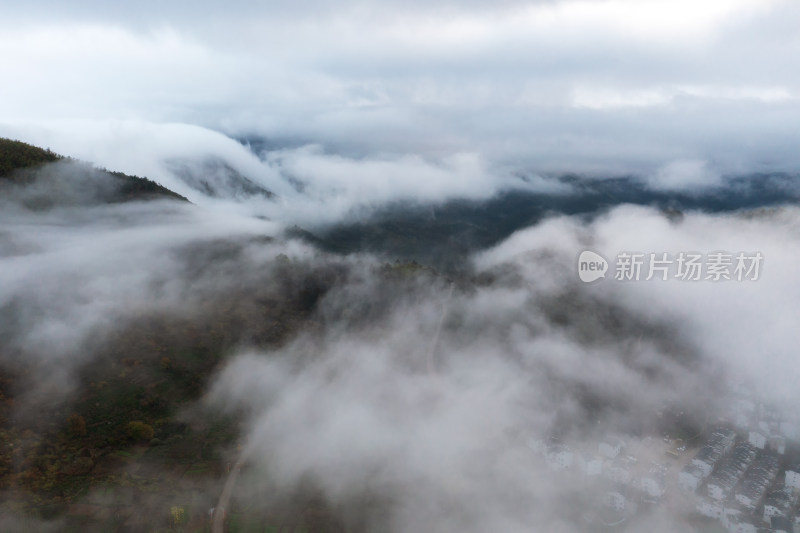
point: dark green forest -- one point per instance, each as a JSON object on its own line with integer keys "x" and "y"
{"x": 17, "y": 154}
{"x": 22, "y": 163}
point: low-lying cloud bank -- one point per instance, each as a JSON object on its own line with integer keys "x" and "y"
{"x": 312, "y": 186}
{"x": 361, "y": 414}
{"x": 402, "y": 399}
{"x": 305, "y": 184}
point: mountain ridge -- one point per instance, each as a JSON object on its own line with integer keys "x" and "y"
{"x": 22, "y": 164}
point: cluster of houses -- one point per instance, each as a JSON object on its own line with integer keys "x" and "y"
{"x": 741, "y": 483}
{"x": 719, "y": 443}
{"x": 741, "y": 477}
{"x": 626, "y": 481}
{"x": 768, "y": 428}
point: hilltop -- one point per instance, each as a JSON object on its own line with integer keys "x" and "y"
{"x": 25, "y": 164}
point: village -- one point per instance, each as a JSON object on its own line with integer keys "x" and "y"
{"x": 741, "y": 474}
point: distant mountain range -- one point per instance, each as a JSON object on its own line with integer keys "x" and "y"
{"x": 438, "y": 234}
{"x": 443, "y": 235}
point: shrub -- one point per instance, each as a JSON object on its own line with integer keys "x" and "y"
{"x": 138, "y": 430}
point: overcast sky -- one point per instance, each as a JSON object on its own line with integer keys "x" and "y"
{"x": 603, "y": 85}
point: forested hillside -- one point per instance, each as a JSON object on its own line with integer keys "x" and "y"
{"x": 16, "y": 154}
{"x": 22, "y": 163}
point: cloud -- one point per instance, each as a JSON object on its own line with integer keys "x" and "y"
{"x": 355, "y": 410}
{"x": 685, "y": 174}
{"x": 371, "y": 400}
{"x": 611, "y": 86}
{"x": 532, "y": 354}
{"x": 74, "y": 270}
{"x": 309, "y": 184}
{"x": 739, "y": 326}
{"x": 340, "y": 185}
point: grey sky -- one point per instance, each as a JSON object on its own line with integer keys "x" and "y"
{"x": 608, "y": 86}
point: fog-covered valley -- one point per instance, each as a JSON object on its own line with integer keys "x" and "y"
{"x": 152, "y": 346}
{"x": 399, "y": 266}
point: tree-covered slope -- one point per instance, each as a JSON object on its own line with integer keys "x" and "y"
{"x": 16, "y": 154}
{"x": 22, "y": 164}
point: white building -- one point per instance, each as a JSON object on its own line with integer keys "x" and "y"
{"x": 611, "y": 448}
{"x": 717, "y": 491}
{"x": 690, "y": 478}
{"x": 706, "y": 462}
{"x": 793, "y": 477}
{"x": 559, "y": 458}
{"x": 770, "y": 511}
{"x": 710, "y": 508}
{"x": 616, "y": 500}
{"x": 653, "y": 484}
{"x": 593, "y": 466}
{"x": 757, "y": 439}
{"x": 777, "y": 443}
